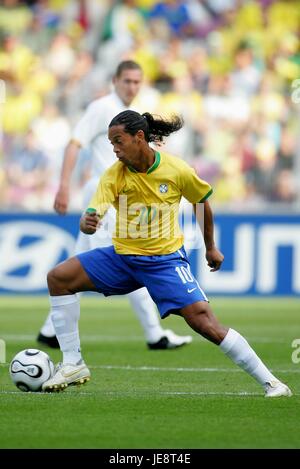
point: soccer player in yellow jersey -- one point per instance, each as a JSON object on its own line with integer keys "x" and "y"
{"x": 91, "y": 132}
{"x": 145, "y": 186}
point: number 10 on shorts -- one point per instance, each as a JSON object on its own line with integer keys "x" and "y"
{"x": 185, "y": 274}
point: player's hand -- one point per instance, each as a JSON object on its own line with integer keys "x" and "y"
{"x": 214, "y": 259}
{"x": 89, "y": 222}
{"x": 61, "y": 201}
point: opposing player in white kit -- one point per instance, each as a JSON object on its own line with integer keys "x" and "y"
{"x": 91, "y": 131}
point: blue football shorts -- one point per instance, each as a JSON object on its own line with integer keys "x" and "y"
{"x": 168, "y": 278}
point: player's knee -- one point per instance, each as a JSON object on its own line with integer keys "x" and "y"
{"x": 195, "y": 314}
{"x": 54, "y": 280}
{"x": 203, "y": 321}
{"x": 200, "y": 311}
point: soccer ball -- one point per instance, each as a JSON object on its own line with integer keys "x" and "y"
{"x": 30, "y": 368}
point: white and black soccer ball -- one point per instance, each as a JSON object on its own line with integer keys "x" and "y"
{"x": 30, "y": 368}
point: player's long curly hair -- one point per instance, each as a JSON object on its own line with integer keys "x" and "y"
{"x": 154, "y": 128}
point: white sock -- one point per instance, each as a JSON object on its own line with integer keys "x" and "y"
{"x": 237, "y": 348}
{"x": 146, "y": 312}
{"x": 65, "y": 312}
{"x": 47, "y": 328}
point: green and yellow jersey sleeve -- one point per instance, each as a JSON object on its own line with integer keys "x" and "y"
{"x": 193, "y": 188}
{"x": 108, "y": 189}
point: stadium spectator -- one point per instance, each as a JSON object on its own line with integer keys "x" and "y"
{"x": 60, "y": 59}
{"x": 284, "y": 187}
{"x": 175, "y": 14}
{"x": 242, "y": 58}
{"x": 91, "y": 131}
{"x": 52, "y": 132}
{"x": 15, "y": 17}
{"x": 27, "y": 176}
{"x": 245, "y": 76}
{"x": 142, "y": 254}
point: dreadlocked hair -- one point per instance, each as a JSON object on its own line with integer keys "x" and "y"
{"x": 154, "y": 128}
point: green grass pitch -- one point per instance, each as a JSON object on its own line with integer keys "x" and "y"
{"x": 192, "y": 397}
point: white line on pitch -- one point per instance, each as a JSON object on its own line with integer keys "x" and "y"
{"x": 136, "y": 393}
{"x": 197, "y": 370}
{"x": 179, "y": 369}
{"x": 147, "y": 393}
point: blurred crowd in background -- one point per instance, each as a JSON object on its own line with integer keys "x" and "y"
{"x": 227, "y": 66}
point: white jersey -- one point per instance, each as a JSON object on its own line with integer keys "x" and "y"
{"x": 92, "y": 131}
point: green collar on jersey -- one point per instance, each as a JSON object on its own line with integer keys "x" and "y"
{"x": 152, "y": 168}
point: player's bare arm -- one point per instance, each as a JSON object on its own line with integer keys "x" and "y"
{"x": 213, "y": 256}
{"x": 61, "y": 201}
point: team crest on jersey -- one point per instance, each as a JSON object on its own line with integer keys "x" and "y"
{"x": 163, "y": 188}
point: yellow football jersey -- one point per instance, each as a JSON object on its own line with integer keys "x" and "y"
{"x": 147, "y": 204}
